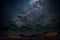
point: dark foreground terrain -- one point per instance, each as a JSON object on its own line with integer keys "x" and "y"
{"x": 46, "y": 36}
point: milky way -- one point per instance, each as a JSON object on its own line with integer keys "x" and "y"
{"x": 33, "y": 14}
{"x": 30, "y": 17}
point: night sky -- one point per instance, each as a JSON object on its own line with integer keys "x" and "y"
{"x": 29, "y": 17}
